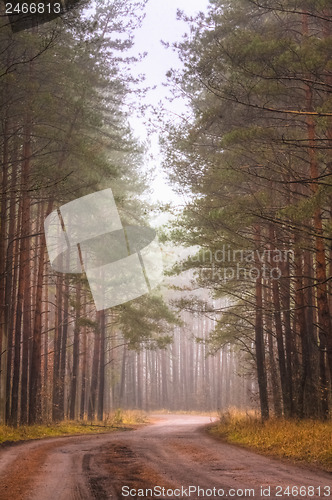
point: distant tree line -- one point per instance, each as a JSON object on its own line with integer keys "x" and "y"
{"x": 185, "y": 376}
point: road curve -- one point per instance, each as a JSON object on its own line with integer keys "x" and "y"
{"x": 173, "y": 458}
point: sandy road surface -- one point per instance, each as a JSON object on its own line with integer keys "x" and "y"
{"x": 172, "y": 453}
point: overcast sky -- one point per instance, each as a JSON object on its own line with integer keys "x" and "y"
{"x": 160, "y": 23}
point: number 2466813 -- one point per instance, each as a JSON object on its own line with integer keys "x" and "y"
{"x": 33, "y": 8}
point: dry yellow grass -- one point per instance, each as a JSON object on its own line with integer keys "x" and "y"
{"x": 301, "y": 440}
{"x": 117, "y": 420}
{"x": 126, "y": 417}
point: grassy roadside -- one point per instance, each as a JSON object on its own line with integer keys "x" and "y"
{"x": 116, "y": 421}
{"x": 308, "y": 441}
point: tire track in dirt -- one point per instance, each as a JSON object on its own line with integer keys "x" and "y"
{"x": 117, "y": 465}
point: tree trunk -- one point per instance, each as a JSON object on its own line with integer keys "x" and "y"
{"x": 57, "y": 350}
{"x": 84, "y": 368}
{"x": 63, "y": 343}
{"x": 102, "y": 318}
{"x": 11, "y": 274}
{"x": 259, "y": 339}
{"x": 22, "y": 275}
{"x": 94, "y": 374}
{"x": 274, "y": 375}
{"x": 3, "y": 263}
{"x": 76, "y": 353}
{"x": 35, "y": 414}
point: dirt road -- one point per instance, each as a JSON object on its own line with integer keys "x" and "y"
{"x": 174, "y": 453}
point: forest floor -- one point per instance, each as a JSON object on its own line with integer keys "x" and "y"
{"x": 174, "y": 453}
